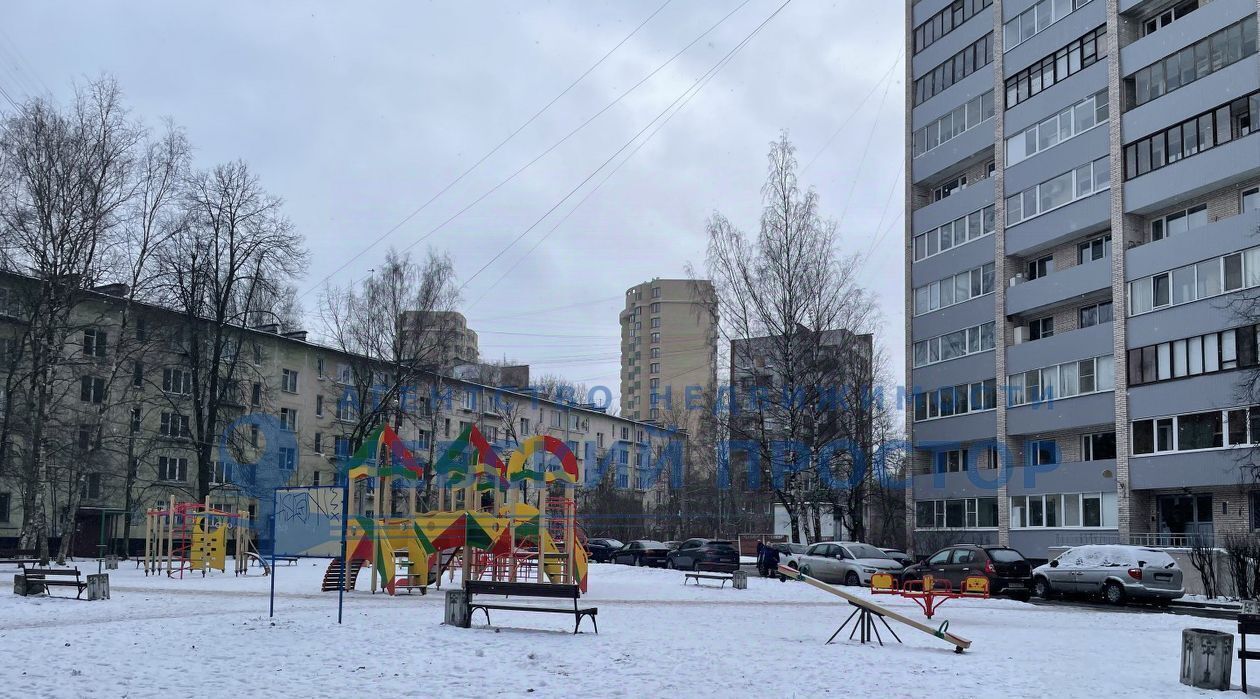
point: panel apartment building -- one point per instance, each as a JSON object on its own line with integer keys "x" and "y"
{"x": 668, "y": 344}
{"x": 132, "y": 384}
{"x": 1083, "y": 216}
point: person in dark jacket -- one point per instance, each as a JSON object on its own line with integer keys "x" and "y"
{"x": 772, "y": 562}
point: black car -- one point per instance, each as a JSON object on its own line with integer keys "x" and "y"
{"x": 693, "y": 552}
{"x": 599, "y": 550}
{"x": 641, "y": 552}
{"x": 1009, "y": 573}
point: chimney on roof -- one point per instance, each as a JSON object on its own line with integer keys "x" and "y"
{"x": 299, "y": 335}
{"x": 268, "y": 327}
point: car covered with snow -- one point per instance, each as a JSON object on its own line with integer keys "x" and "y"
{"x": 1117, "y": 573}
{"x": 846, "y": 562}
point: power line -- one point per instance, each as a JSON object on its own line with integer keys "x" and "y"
{"x": 866, "y": 147}
{"x": 492, "y": 151}
{"x": 858, "y": 108}
{"x": 622, "y": 148}
{"x": 541, "y": 155}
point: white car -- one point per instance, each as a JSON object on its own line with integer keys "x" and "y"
{"x": 1116, "y": 572}
{"x": 789, "y": 554}
{"x": 846, "y": 562}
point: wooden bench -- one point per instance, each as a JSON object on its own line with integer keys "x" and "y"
{"x": 1247, "y": 624}
{"x": 287, "y": 560}
{"x": 18, "y": 557}
{"x": 523, "y": 589}
{"x": 50, "y": 577}
{"x": 724, "y": 572}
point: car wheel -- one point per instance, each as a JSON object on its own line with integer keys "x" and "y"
{"x": 851, "y": 579}
{"x": 1021, "y": 596}
{"x": 669, "y": 563}
{"x": 806, "y": 571}
{"x": 1041, "y": 587}
{"x": 1113, "y": 593}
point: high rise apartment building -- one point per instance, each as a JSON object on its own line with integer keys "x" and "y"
{"x": 668, "y": 346}
{"x": 1083, "y": 217}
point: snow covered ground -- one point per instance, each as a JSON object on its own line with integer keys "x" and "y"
{"x": 212, "y": 637}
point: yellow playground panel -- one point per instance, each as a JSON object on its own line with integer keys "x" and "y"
{"x": 193, "y": 537}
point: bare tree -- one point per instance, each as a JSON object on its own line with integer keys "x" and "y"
{"x": 66, "y": 176}
{"x": 795, "y": 316}
{"x": 225, "y": 267}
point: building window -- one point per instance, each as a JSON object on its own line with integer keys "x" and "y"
{"x": 1224, "y": 48}
{"x": 952, "y": 125}
{"x": 975, "y": 225}
{"x": 954, "y": 290}
{"x": 1041, "y": 328}
{"x": 341, "y": 447}
{"x": 1168, "y": 16}
{"x": 91, "y": 486}
{"x": 289, "y": 381}
{"x": 92, "y": 389}
{"x": 968, "y": 513}
{"x": 5, "y": 505}
{"x": 1037, "y": 19}
{"x": 946, "y": 21}
{"x": 1202, "y": 354}
{"x": 315, "y": 478}
{"x": 1191, "y": 137}
{"x": 1042, "y": 452}
{"x": 288, "y": 418}
{"x": 1215, "y": 429}
{"x": 1094, "y": 314}
{"x": 1057, "y": 67}
{"x": 319, "y": 367}
{"x": 525, "y": 427}
{"x": 1048, "y": 133}
{"x": 955, "y": 400}
{"x": 1251, "y": 197}
{"x": 952, "y": 461}
{"x": 1179, "y": 222}
{"x": 656, "y": 338}
{"x": 172, "y": 469}
{"x": 1071, "y": 510}
{"x": 625, "y": 434}
{"x": 1084, "y": 181}
{"x": 177, "y": 381}
{"x": 137, "y": 374}
{"x": 1061, "y": 381}
{"x": 947, "y": 189}
{"x": 1098, "y": 446}
{"x": 287, "y": 458}
{"x": 94, "y": 343}
{"x": 319, "y": 442}
{"x": 954, "y": 69}
{"x": 319, "y": 406}
{"x": 174, "y": 425}
{"x": 135, "y": 420}
{"x": 1092, "y": 250}
{"x": 656, "y": 292}
{"x": 1213, "y": 277}
{"x": 655, "y": 368}
{"x": 1040, "y": 267}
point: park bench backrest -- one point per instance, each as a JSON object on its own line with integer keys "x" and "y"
{"x": 522, "y": 589}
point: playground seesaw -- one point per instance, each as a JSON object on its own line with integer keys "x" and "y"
{"x": 867, "y": 609}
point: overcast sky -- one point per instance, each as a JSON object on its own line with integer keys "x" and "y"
{"x": 358, "y": 113}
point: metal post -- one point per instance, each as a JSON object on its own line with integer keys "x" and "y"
{"x": 272, "y": 611}
{"x": 345, "y": 520}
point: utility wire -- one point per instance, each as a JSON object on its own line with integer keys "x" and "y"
{"x": 624, "y": 146}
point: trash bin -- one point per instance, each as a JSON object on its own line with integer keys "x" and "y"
{"x": 739, "y": 580}
{"x": 457, "y": 612}
{"x": 98, "y": 586}
{"x": 1207, "y": 658}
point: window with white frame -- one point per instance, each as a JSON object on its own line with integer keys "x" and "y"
{"x": 1212, "y": 277}
{"x": 960, "y": 343}
{"x": 1041, "y": 452}
{"x": 1063, "y": 125}
{"x": 1095, "y": 314}
{"x": 177, "y": 381}
{"x": 172, "y": 469}
{"x": 1056, "y": 192}
{"x": 1040, "y": 267}
{"x": 962, "y": 513}
{"x": 1037, "y": 19}
{"x": 949, "y": 187}
{"x": 288, "y": 418}
{"x": 1179, "y": 222}
{"x": 951, "y": 461}
{"x": 973, "y": 226}
{"x": 1069, "y": 510}
{"x": 1201, "y": 354}
{"x": 1098, "y": 446}
{"x": 1251, "y": 200}
{"x": 956, "y": 400}
{"x": 92, "y": 389}
{"x": 954, "y": 124}
{"x": 1212, "y": 429}
{"x": 1040, "y": 328}
{"x": 94, "y": 343}
{"x": 174, "y": 425}
{"x": 289, "y": 381}
{"x": 1078, "y": 378}
{"x": 955, "y": 289}
{"x": 1093, "y": 250}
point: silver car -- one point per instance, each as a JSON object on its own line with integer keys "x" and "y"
{"x": 846, "y": 562}
{"x": 1118, "y": 573}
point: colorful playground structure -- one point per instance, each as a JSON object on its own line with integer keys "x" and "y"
{"x": 481, "y": 525}
{"x": 193, "y": 537}
{"x": 867, "y": 613}
{"x": 930, "y": 593}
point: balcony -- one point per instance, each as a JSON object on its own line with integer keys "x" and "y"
{"x": 1070, "y": 477}
{"x": 971, "y": 427}
{"x": 1231, "y": 82}
{"x": 1217, "y": 467}
{"x": 1058, "y": 287}
{"x": 978, "y": 139}
{"x": 1219, "y": 237}
{"x": 980, "y": 483}
{"x": 1081, "y": 217}
{"x": 974, "y": 198}
{"x": 1062, "y": 414}
{"x": 1198, "y": 174}
{"x": 1197, "y": 25}
{"x": 1094, "y": 341}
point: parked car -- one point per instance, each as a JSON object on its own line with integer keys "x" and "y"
{"x": 789, "y": 554}
{"x": 1117, "y": 573}
{"x": 672, "y": 544}
{"x": 641, "y": 552}
{"x": 693, "y": 552}
{"x": 900, "y": 556}
{"x": 599, "y": 550}
{"x": 1008, "y": 571}
{"x": 846, "y": 562}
